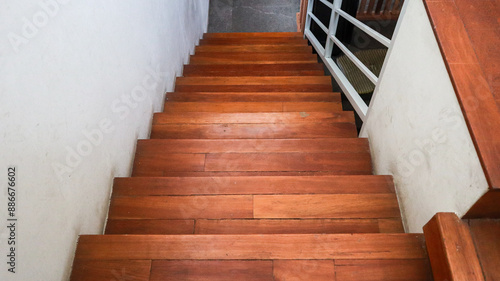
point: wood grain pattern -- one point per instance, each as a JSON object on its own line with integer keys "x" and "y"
{"x": 383, "y": 270}
{"x": 255, "y": 88}
{"x": 105, "y": 270}
{"x": 254, "y": 58}
{"x": 170, "y": 162}
{"x": 181, "y": 207}
{"x": 156, "y": 147}
{"x": 274, "y": 69}
{"x": 253, "y": 97}
{"x": 451, "y": 249}
{"x": 486, "y": 207}
{"x": 253, "y": 131}
{"x": 485, "y": 233}
{"x": 247, "y": 107}
{"x": 163, "y": 186}
{"x": 326, "y": 206}
{"x": 291, "y": 48}
{"x": 254, "y": 81}
{"x": 254, "y": 41}
{"x": 286, "y": 226}
{"x": 288, "y": 162}
{"x": 265, "y": 246}
{"x": 317, "y": 270}
{"x": 391, "y": 226}
{"x": 187, "y": 270}
{"x": 256, "y": 173}
{"x": 147, "y": 226}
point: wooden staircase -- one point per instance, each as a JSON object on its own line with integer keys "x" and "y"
{"x": 253, "y": 172}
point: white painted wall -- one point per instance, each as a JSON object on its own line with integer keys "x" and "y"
{"x": 416, "y": 128}
{"x": 79, "y": 81}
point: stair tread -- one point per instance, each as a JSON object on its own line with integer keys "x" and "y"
{"x": 251, "y": 57}
{"x": 252, "y": 118}
{"x": 254, "y": 131}
{"x": 253, "y": 41}
{"x": 254, "y": 97}
{"x": 251, "y": 247}
{"x": 242, "y": 107}
{"x": 161, "y": 186}
{"x": 251, "y": 34}
{"x": 250, "y": 226}
{"x": 247, "y": 69}
{"x": 256, "y": 80}
{"x": 155, "y": 147}
{"x": 289, "y": 48}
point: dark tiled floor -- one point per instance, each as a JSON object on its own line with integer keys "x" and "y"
{"x": 253, "y": 15}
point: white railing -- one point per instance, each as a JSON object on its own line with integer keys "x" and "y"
{"x": 325, "y": 52}
{"x": 377, "y": 9}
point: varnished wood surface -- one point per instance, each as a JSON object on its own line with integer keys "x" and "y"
{"x": 254, "y": 58}
{"x": 252, "y": 34}
{"x": 253, "y": 97}
{"x": 249, "y": 69}
{"x": 247, "y": 107}
{"x": 486, "y": 233}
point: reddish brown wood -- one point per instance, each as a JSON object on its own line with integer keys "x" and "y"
{"x": 318, "y": 270}
{"x": 256, "y": 173}
{"x": 485, "y": 233}
{"x": 253, "y": 131}
{"x": 451, "y": 249}
{"x": 251, "y": 118}
{"x": 187, "y": 270}
{"x": 170, "y": 162}
{"x": 254, "y": 41}
{"x": 252, "y": 185}
{"x": 103, "y": 270}
{"x": 146, "y": 226}
{"x": 254, "y": 58}
{"x": 155, "y": 147}
{"x": 181, "y": 207}
{"x": 326, "y": 206}
{"x": 286, "y": 226}
{"x": 488, "y": 206}
{"x": 255, "y": 88}
{"x": 288, "y": 162}
{"x": 298, "y": 48}
{"x": 275, "y": 69}
{"x": 253, "y": 97}
{"x": 251, "y": 247}
{"x": 246, "y": 107}
{"x": 258, "y": 80}
{"x": 383, "y": 270}
{"x": 252, "y": 34}
{"x": 391, "y": 226}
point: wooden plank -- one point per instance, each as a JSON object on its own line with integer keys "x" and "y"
{"x": 486, "y": 207}
{"x": 299, "y": 48}
{"x": 288, "y": 162}
{"x": 252, "y": 185}
{"x": 485, "y": 233}
{"x": 326, "y": 206}
{"x": 391, "y": 226}
{"x": 383, "y": 270}
{"x": 181, "y": 207}
{"x": 252, "y": 118}
{"x": 257, "y": 173}
{"x": 188, "y": 270}
{"x": 250, "y": 69}
{"x": 451, "y": 249}
{"x": 253, "y": 131}
{"x": 173, "y": 162}
{"x": 254, "y": 97}
{"x": 254, "y": 41}
{"x": 317, "y": 270}
{"x": 253, "y": 58}
{"x": 286, "y": 226}
{"x": 257, "y": 80}
{"x": 247, "y": 107}
{"x": 105, "y": 270}
{"x": 154, "y": 147}
{"x": 251, "y": 247}
{"x": 255, "y": 88}
{"x": 145, "y": 226}
{"x": 251, "y": 34}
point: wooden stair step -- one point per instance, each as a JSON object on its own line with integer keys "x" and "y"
{"x": 275, "y": 69}
{"x": 251, "y": 247}
{"x": 290, "y": 48}
{"x": 178, "y": 117}
{"x": 246, "y": 173}
{"x": 254, "y": 84}
{"x": 252, "y": 34}
{"x": 252, "y": 226}
{"x": 254, "y": 41}
{"x": 156, "y": 147}
{"x": 253, "y": 131}
{"x": 485, "y": 233}
{"x": 253, "y": 97}
{"x": 253, "y": 58}
{"x": 246, "y": 107}
{"x": 331, "y": 206}
{"x": 163, "y": 186}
